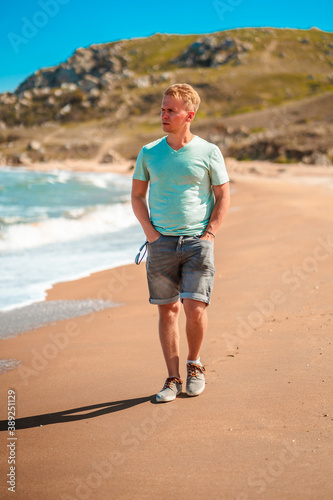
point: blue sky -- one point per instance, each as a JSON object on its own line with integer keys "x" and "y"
{"x": 42, "y": 33}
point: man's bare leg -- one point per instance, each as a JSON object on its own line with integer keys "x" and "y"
{"x": 196, "y": 326}
{"x": 169, "y": 336}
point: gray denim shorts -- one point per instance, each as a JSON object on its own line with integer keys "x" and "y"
{"x": 180, "y": 267}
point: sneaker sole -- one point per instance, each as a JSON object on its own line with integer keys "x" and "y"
{"x": 158, "y": 400}
{"x": 164, "y": 400}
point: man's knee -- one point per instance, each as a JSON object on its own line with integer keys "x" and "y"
{"x": 194, "y": 309}
{"x": 169, "y": 310}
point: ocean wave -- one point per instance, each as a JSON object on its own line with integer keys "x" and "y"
{"x": 99, "y": 180}
{"x": 35, "y": 197}
{"x": 76, "y": 224}
{"x": 10, "y": 219}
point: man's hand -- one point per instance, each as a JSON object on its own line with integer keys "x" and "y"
{"x": 152, "y": 235}
{"x": 207, "y": 236}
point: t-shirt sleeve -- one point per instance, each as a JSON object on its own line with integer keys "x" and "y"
{"x": 218, "y": 172}
{"x": 141, "y": 172}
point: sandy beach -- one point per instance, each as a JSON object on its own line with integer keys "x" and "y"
{"x": 87, "y": 425}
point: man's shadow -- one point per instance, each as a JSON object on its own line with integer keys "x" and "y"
{"x": 81, "y": 413}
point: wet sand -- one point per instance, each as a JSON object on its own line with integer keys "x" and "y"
{"x": 33, "y": 316}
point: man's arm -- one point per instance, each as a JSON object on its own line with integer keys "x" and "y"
{"x": 221, "y": 207}
{"x": 140, "y": 208}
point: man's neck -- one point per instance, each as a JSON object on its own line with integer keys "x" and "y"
{"x": 176, "y": 142}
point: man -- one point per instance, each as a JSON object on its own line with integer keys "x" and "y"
{"x": 188, "y": 200}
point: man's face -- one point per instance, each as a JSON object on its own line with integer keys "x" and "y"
{"x": 174, "y": 116}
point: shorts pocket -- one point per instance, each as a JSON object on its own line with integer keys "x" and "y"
{"x": 206, "y": 241}
{"x": 156, "y": 241}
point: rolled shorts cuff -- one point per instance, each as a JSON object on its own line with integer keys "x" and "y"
{"x": 195, "y": 296}
{"x": 161, "y": 302}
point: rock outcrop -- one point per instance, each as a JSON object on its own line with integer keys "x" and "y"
{"x": 85, "y": 68}
{"x": 208, "y": 51}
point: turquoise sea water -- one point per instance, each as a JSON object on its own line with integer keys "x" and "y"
{"x": 57, "y": 226}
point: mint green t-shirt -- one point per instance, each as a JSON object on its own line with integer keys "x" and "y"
{"x": 181, "y": 198}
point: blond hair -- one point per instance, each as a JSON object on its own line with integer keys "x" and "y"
{"x": 187, "y": 93}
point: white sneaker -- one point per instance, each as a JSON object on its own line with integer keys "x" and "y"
{"x": 172, "y": 387}
{"x": 195, "y": 382}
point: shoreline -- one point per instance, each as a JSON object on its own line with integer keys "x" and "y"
{"x": 38, "y": 314}
{"x": 50, "y": 285}
{"x": 85, "y": 386}
{"x": 82, "y": 166}
{"x": 251, "y": 168}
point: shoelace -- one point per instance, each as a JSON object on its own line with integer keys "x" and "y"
{"x": 193, "y": 369}
{"x": 170, "y": 380}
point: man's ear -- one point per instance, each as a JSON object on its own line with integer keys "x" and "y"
{"x": 190, "y": 116}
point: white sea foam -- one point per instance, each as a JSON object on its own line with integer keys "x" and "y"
{"x": 79, "y": 223}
